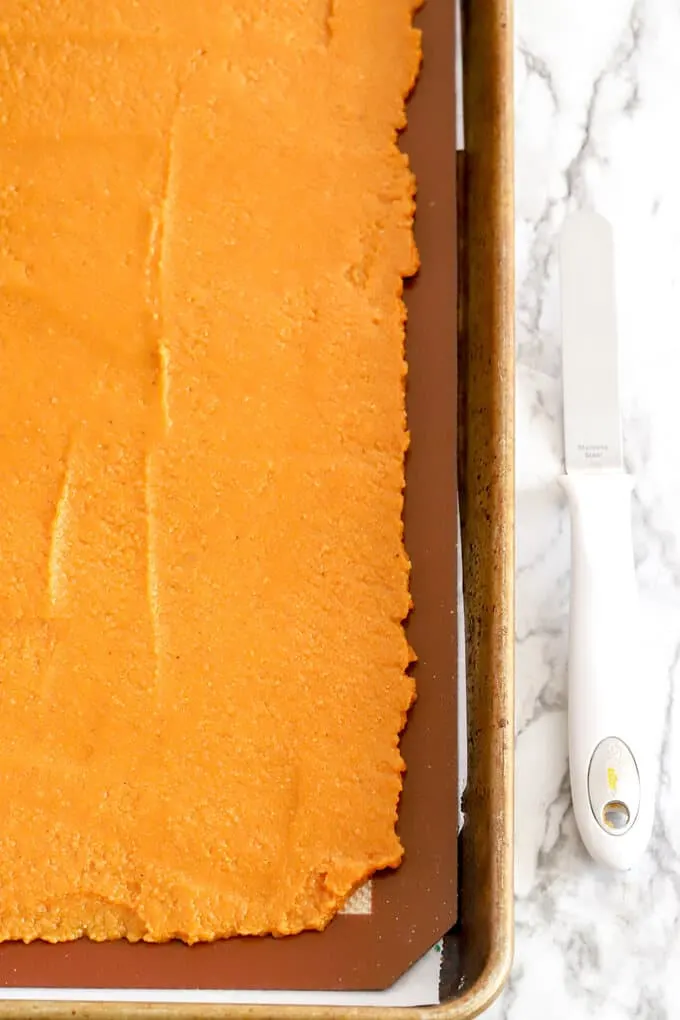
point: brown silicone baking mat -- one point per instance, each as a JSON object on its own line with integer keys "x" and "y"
{"x": 413, "y": 906}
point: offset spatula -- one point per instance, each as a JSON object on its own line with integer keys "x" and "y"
{"x": 609, "y": 730}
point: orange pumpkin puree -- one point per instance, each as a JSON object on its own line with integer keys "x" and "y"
{"x": 205, "y": 221}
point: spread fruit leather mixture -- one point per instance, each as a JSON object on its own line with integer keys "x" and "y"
{"x": 205, "y": 221}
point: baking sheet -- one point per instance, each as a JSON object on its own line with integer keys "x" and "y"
{"x": 478, "y": 953}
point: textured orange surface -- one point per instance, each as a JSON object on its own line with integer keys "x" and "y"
{"x": 204, "y": 225}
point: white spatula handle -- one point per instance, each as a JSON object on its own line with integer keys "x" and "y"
{"x": 609, "y": 733}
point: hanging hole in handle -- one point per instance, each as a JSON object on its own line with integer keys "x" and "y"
{"x": 615, "y": 815}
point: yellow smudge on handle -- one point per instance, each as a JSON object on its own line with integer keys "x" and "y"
{"x": 612, "y": 779}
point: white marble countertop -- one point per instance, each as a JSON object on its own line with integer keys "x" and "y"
{"x": 597, "y": 124}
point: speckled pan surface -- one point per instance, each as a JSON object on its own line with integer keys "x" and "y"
{"x": 478, "y": 955}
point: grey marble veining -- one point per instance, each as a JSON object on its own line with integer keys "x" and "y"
{"x": 597, "y": 124}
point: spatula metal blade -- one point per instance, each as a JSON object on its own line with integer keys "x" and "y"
{"x": 590, "y": 361}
